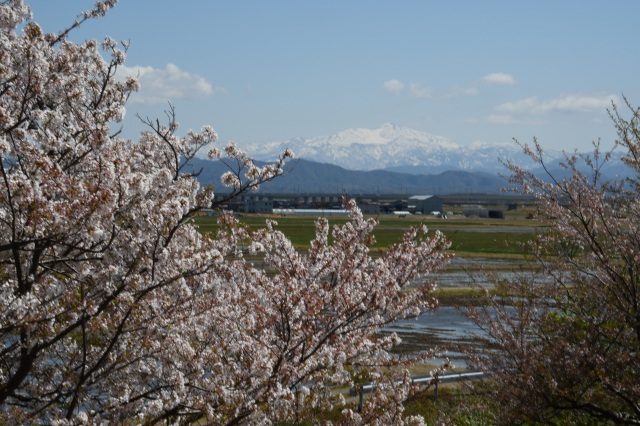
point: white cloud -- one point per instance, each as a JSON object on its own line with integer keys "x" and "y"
{"x": 500, "y": 78}
{"x": 564, "y": 103}
{"x": 576, "y": 103}
{"x": 164, "y": 85}
{"x": 418, "y": 91}
{"x": 425, "y": 92}
{"x": 393, "y": 86}
{"x": 519, "y": 107}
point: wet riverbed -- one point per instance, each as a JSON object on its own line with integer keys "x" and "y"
{"x": 467, "y": 272}
{"x": 447, "y": 327}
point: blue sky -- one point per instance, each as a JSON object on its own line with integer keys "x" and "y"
{"x": 489, "y": 71}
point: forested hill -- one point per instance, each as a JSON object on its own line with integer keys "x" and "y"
{"x": 308, "y": 176}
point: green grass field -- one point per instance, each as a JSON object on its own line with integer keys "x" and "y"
{"x": 469, "y": 237}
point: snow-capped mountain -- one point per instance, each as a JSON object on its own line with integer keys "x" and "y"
{"x": 394, "y": 148}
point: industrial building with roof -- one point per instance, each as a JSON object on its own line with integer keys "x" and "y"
{"x": 426, "y": 204}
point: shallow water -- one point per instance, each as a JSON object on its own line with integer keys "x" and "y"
{"x": 466, "y": 272}
{"x": 447, "y": 327}
{"x": 443, "y": 328}
{"x": 446, "y": 321}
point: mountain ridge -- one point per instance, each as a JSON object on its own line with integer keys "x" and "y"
{"x": 304, "y": 176}
{"x": 394, "y": 159}
{"x": 395, "y": 148}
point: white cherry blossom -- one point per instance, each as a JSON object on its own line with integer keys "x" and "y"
{"x": 114, "y": 308}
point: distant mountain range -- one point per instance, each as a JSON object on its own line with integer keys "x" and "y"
{"x": 303, "y": 176}
{"x": 389, "y": 159}
{"x": 395, "y": 148}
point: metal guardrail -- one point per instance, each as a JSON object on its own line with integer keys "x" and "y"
{"x": 445, "y": 378}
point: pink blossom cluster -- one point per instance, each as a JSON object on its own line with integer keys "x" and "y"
{"x": 114, "y": 308}
{"x": 565, "y": 340}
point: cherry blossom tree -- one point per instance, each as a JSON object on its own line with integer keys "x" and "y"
{"x": 114, "y": 308}
{"x": 566, "y": 342}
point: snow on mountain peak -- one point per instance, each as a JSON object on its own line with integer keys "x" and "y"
{"x": 386, "y": 134}
{"x": 388, "y": 146}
